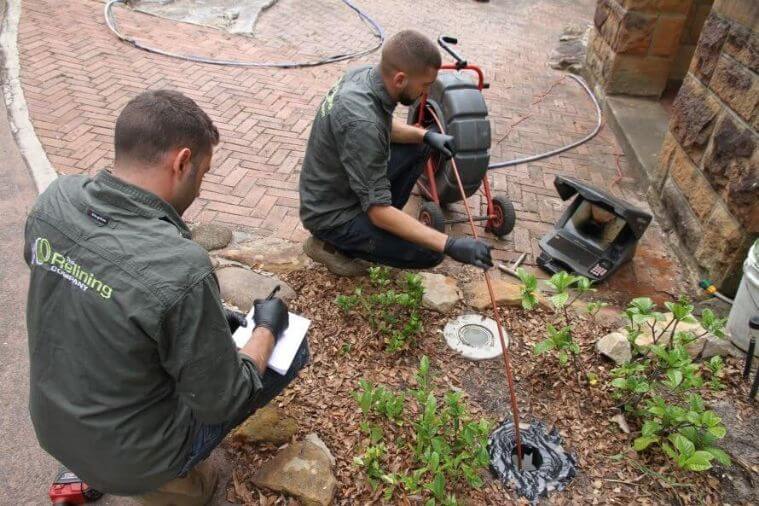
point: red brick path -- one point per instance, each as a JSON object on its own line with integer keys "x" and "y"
{"x": 77, "y": 76}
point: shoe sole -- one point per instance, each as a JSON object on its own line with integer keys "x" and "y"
{"x": 342, "y": 267}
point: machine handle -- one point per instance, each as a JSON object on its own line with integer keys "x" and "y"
{"x": 444, "y": 42}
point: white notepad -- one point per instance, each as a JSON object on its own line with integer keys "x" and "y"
{"x": 284, "y": 352}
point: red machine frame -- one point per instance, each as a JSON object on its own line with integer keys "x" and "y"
{"x": 496, "y": 215}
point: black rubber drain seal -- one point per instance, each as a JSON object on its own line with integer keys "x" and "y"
{"x": 546, "y": 466}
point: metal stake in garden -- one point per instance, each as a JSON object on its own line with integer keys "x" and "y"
{"x": 496, "y": 314}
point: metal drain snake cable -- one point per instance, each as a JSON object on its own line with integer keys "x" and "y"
{"x": 554, "y": 152}
{"x": 496, "y": 315}
{"x": 376, "y": 29}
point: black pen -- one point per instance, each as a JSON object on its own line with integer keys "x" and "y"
{"x": 273, "y": 293}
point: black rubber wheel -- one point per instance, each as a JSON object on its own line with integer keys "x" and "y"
{"x": 505, "y": 217}
{"x": 92, "y": 495}
{"x": 431, "y": 215}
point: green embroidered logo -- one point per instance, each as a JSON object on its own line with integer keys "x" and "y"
{"x": 45, "y": 256}
{"x": 328, "y": 101}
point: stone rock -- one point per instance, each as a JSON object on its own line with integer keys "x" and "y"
{"x": 666, "y": 38}
{"x": 616, "y": 347}
{"x": 633, "y": 75}
{"x": 743, "y": 45}
{"x": 240, "y": 287}
{"x": 573, "y": 31}
{"x": 685, "y": 222}
{"x": 506, "y": 293}
{"x": 441, "y": 293}
{"x": 741, "y": 11}
{"x": 646, "y": 338}
{"x": 268, "y": 253}
{"x": 692, "y": 184}
{"x": 268, "y": 424}
{"x": 599, "y": 56}
{"x": 303, "y": 470}
{"x": 634, "y": 34}
{"x": 714, "y": 347}
{"x": 713, "y": 35}
{"x": 737, "y": 86}
{"x": 721, "y": 241}
{"x": 314, "y": 438}
{"x": 211, "y": 236}
{"x": 568, "y": 53}
{"x": 694, "y": 115}
{"x": 732, "y": 167}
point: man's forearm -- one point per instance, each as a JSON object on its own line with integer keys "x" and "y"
{"x": 406, "y": 134}
{"x": 398, "y": 223}
{"x": 259, "y": 348}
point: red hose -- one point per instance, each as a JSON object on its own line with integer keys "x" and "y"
{"x": 496, "y": 314}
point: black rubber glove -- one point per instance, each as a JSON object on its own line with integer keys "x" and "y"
{"x": 271, "y": 314}
{"x": 441, "y": 142}
{"x": 235, "y": 319}
{"x": 469, "y": 251}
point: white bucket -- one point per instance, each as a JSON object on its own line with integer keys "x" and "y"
{"x": 746, "y": 302}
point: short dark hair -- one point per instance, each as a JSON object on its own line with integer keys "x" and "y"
{"x": 409, "y": 51}
{"x": 156, "y": 121}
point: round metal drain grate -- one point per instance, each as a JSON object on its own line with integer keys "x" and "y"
{"x": 474, "y": 336}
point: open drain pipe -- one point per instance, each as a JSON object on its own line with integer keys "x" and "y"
{"x": 496, "y": 314}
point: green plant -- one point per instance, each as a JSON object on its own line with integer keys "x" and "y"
{"x": 559, "y": 341}
{"x": 660, "y": 386}
{"x": 715, "y": 365}
{"x": 446, "y": 445}
{"x": 390, "y": 307}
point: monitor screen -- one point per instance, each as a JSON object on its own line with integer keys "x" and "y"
{"x": 595, "y": 225}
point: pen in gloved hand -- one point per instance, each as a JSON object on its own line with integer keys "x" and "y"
{"x": 273, "y": 293}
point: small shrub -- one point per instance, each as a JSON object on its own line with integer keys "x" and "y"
{"x": 446, "y": 446}
{"x": 390, "y": 307}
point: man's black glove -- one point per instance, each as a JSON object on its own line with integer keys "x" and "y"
{"x": 441, "y": 142}
{"x": 235, "y": 319}
{"x": 469, "y": 251}
{"x": 271, "y": 314}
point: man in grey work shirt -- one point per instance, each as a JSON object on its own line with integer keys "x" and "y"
{"x": 361, "y": 165}
{"x": 134, "y": 375}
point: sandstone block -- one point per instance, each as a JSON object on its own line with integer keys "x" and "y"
{"x": 737, "y": 86}
{"x": 743, "y": 45}
{"x": 666, "y": 37}
{"x": 685, "y": 222}
{"x": 693, "y": 185}
{"x": 745, "y": 12}
{"x": 668, "y": 151}
{"x": 694, "y": 114}
{"x": 722, "y": 238}
{"x": 634, "y": 33}
{"x": 732, "y": 167}
{"x": 710, "y": 43}
{"x": 635, "y": 75}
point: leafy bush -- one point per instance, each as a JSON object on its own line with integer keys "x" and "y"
{"x": 660, "y": 386}
{"x": 390, "y": 307}
{"x": 445, "y": 446}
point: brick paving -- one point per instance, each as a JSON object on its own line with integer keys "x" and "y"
{"x": 77, "y": 76}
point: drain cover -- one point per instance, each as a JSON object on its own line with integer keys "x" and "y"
{"x": 474, "y": 336}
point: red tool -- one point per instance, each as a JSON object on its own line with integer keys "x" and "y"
{"x": 69, "y": 489}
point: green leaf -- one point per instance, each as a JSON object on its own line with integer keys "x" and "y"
{"x": 563, "y": 357}
{"x": 650, "y": 428}
{"x": 560, "y": 299}
{"x": 528, "y": 279}
{"x": 718, "y": 431}
{"x": 437, "y": 486}
{"x": 710, "y": 419}
{"x": 699, "y": 461}
{"x": 574, "y": 348}
{"x": 719, "y": 455}
{"x": 543, "y": 347}
{"x": 644, "y": 442}
{"x": 529, "y": 301}
{"x": 620, "y": 383}
{"x": 683, "y": 444}
{"x": 669, "y": 451}
{"x": 675, "y": 377}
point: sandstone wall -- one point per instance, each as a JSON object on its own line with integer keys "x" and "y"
{"x": 708, "y": 174}
{"x": 635, "y": 45}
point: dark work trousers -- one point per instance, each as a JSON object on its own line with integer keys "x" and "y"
{"x": 359, "y": 238}
{"x": 209, "y": 436}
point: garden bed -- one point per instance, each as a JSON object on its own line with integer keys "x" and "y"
{"x": 346, "y": 350}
